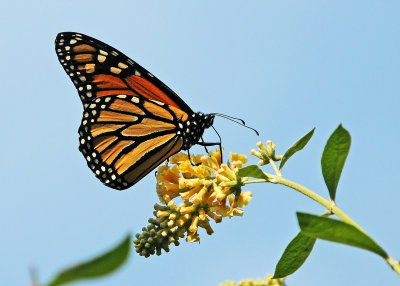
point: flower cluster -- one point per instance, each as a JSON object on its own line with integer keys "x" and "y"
{"x": 206, "y": 189}
{"x": 266, "y": 154}
{"x": 269, "y": 281}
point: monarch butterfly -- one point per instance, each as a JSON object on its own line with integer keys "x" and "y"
{"x": 132, "y": 121}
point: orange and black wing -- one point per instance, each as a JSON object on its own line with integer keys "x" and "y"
{"x": 98, "y": 70}
{"x": 130, "y": 118}
{"x": 124, "y": 137}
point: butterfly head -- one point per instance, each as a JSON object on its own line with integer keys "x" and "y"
{"x": 207, "y": 120}
{"x": 193, "y": 128}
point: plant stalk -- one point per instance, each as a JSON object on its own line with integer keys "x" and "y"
{"x": 331, "y": 206}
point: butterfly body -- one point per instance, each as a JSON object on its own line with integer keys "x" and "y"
{"x": 131, "y": 121}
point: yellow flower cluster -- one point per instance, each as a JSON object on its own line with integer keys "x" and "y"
{"x": 269, "y": 281}
{"x": 265, "y": 153}
{"x": 206, "y": 188}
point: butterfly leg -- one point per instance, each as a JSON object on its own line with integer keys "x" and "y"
{"x": 209, "y": 143}
{"x": 212, "y": 144}
{"x": 202, "y": 140}
{"x": 191, "y": 163}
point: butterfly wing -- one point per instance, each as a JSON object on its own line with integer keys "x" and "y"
{"x": 124, "y": 137}
{"x": 130, "y": 118}
{"x": 98, "y": 70}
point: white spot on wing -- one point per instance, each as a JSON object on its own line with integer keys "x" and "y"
{"x": 122, "y": 65}
{"x": 158, "y": 102}
{"x": 101, "y": 58}
{"x": 115, "y": 70}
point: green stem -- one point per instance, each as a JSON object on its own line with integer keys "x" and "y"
{"x": 278, "y": 173}
{"x": 255, "y": 181}
{"x": 394, "y": 264}
{"x": 330, "y": 205}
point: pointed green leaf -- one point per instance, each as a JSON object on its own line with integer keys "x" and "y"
{"x": 96, "y": 267}
{"x": 297, "y": 146}
{"x": 333, "y": 158}
{"x": 294, "y": 255}
{"x": 337, "y": 231}
{"x": 252, "y": 171}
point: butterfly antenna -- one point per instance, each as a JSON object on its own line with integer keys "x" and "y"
{"x": 236, "y": 120}
{"x": 230, "y": 117}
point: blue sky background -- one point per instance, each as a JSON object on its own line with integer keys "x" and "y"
{"x": 283, "y": 66}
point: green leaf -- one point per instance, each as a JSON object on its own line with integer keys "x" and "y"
{"x": 96, "y": 267}
{"x": 333, "y": 158}
{"x": 337, "y": 231}
{"x": 297, "y": 146}
{"x": 294, "y": 255}
{"x": 252, "y": 171}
